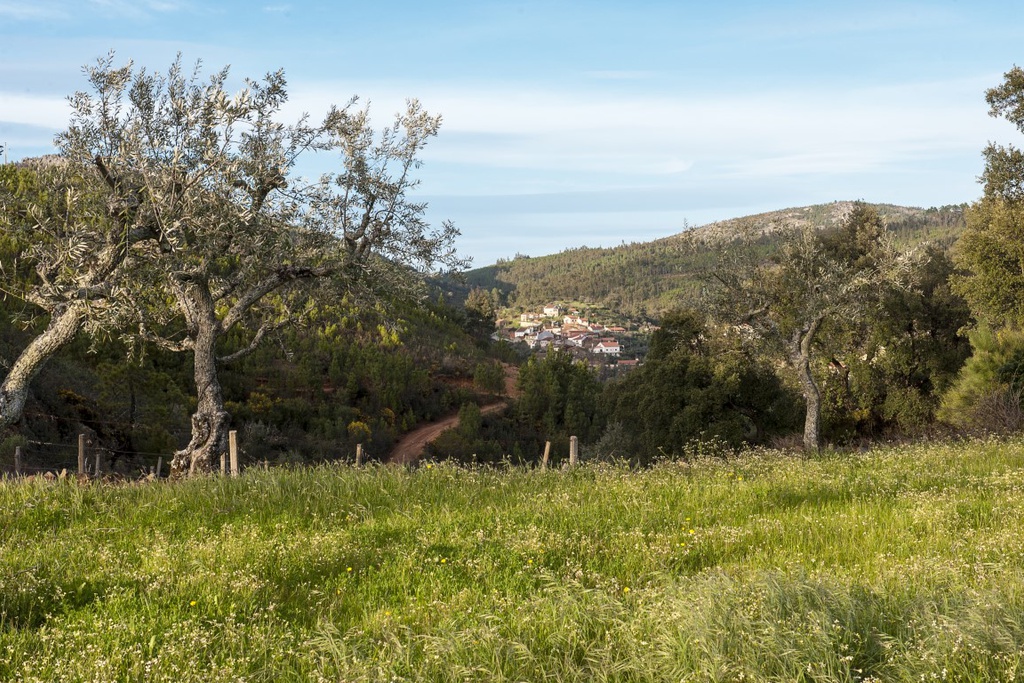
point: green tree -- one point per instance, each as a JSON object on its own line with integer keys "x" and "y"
{"x": 990, "y": 255}
{"x": 987, "y": 392}
{"x": 694, "y": 385}
{"x": 71, "y": 232}
{"x": 991, "y": 249}
{"x": 489, "y": 376}
{"x": 470, "y": 420}
{"x": 816, "y": 278}
{"x": 241, "y": 237}
{"x": 889, "y": 368}
{"x": 558, "y": 395}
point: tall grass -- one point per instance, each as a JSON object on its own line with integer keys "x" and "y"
{"x": 900, "y": 564}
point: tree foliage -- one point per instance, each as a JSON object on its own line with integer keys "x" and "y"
{"x": 216, "y": 175}
{"x": 71, "y": 237}
{"x": 987, "y": 393}
{"x": 817, "y": 278}
{"x": 991, "y": 250}
{"x": 990, "y": 255}
{"x": 695, "y": 385}
{"x": 888, "y": 369}
{"x": 558, "y": 395}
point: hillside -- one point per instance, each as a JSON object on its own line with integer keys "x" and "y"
{"x": 650, "y": 277}
{"x": 313, "y": 392}
{"x": 902, "y": 564}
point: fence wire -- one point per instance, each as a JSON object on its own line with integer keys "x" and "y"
{"x": 38, "y": 457}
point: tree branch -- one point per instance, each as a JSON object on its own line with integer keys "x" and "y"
{"x": 260, "y": 334}
{"x": 259, "y": 290}
{"x": 110, "y": 180}
{"x": 163, "y": 342}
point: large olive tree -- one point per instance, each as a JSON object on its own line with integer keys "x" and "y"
{"x": 816, "y": 278}
{"x": 238, "y": 233}
{"x": 71, "y": 233}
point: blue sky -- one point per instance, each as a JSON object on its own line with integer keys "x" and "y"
{"x": 585, "y": 123}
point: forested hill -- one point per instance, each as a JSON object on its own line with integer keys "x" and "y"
{"x": 651, "y": 277}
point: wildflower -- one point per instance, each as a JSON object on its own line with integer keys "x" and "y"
{"x": 192, "y": 604}
{"x": 625, "y": 589}
{"x": 349, "y": 569}
{"x": 444, "y": 560}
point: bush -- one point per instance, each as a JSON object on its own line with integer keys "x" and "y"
{"x": 986, "y": 394}
{"x": 489, "y": 376}
{"x": 697, "y": 386}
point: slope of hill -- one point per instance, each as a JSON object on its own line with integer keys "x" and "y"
{"x": 651, "y": 277}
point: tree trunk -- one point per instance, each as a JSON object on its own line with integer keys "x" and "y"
{"x": 812, "y": 397}
{"x": 65, "y": 322}
{"x": 210, "y": 421}
{"x": 800, "y": 358}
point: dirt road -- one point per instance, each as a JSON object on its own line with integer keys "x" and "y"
{"x": 410, "y": 447}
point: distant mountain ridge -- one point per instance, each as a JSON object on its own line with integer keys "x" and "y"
{"x": 648, "y": 278}
{"x": 787, "y": 220}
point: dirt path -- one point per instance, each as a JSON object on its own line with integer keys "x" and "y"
{"x": 410, "y": 447}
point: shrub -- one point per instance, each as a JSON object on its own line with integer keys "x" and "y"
{"x": 986, "y": 394}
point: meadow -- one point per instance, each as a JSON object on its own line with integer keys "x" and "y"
{"x": 899, "y": 564}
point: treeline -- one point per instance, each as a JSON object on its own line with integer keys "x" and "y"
{"x": 838, "y": 335}
{"x": 307, "y": 394}
{"x": 654, "y": 277}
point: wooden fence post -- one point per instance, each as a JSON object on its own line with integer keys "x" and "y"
{"x": 81, "y": 454}
{"x": 547, "y": 455}
{"x": 17, "y": 461}
{"x": 159, "y": 465}
{"x": 99, "y": 463}
{"x": 574, "y": 455}
{"x": 224, "y": 463}
{"x": 233, "y": 448}
{"x": 359, "y": 455}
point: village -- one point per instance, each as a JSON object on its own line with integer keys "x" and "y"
{"x": 615, "y": 346}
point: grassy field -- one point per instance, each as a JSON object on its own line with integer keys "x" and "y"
{"x": 904, "y": 564}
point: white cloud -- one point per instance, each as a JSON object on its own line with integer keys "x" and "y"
{"x": 512, "y": 140}
{"x": 813, "y": 131}
{"x": 28, "y": 110}
{"x": 32, "y": 11}
{"x": 528, "y": 140}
